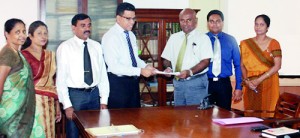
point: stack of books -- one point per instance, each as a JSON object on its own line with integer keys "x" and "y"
{"x": 280, "y": 132}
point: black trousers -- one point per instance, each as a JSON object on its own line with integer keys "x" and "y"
{"x": 220, "y": 92}
{"x": 124, "y": 92}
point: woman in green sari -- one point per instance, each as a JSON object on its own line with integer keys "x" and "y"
{"x": 17, "y": 96}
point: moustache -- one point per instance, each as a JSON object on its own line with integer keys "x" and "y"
{"x": 87, "y": 32}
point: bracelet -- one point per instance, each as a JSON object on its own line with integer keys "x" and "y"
{"x": 246, "y": 79}
{"x": 191, "y": 72}
{"x": 268, "y": 75}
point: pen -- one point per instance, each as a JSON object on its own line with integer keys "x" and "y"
{"x": 255, "y": 91}
{"x": 194, "y": 44}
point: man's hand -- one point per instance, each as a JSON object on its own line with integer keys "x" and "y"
{"x": 103, "y": 106}
{"x": 148, "y": 71}
{"x": 168, "y": 70}
{"x": 69, "y": 113}
{"x": 237, "y": 96}
{"x": 184, "y": 74}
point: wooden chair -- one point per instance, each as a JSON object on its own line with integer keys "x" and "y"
{"x": 287, "y": 111}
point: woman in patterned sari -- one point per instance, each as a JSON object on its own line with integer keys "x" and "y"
{"x": 17, "y": 100}
{"x": 261, "y": 60}
{"x": 43, "y": 67}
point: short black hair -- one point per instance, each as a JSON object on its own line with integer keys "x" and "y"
{"x": 10, "y": 24}
{"x": 79, "y": 16}
{"x": 215, "y": 12}
{"x": 265, "y": 18}
{"x": 124, "y": 6}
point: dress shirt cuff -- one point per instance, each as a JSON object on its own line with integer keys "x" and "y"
{"x": 238, "y": 86}
{"x": 67, "y": 103}
{"x": 104, "y": 100}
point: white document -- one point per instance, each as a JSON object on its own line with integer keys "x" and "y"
{"x": 166, "y": 73}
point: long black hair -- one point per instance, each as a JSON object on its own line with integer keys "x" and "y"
{"x": 33, "y": 26}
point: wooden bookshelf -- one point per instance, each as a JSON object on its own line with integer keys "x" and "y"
{"x": 153, "y": 28}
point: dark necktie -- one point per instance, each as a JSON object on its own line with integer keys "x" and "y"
{"x": 134, "y": 64}
{"x": 88, "y": 73}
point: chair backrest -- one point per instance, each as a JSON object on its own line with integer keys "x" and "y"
{"x": 288, "y": 106}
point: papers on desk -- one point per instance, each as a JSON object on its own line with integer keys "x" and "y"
{"x": 166, "y": 73}
{"x": 280, "y": 132}
{"x": 119, "y": 130}
{"x": 239, "y": 120}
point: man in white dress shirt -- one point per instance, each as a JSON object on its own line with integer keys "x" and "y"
{"x": 124, "y": 65}
{"x": 195, "y": 51}
{"x": 77, "y": 91}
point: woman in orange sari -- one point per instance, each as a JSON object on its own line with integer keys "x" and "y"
{"x": 43, "y": 67}
{"x": 260, "y": 62}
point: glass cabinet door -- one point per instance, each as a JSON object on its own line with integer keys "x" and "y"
{"x": 103, "y": 15}
{"x": 58, "y": 14}
{"x": 58, "y": 19}
{"x": 147, "y": 41}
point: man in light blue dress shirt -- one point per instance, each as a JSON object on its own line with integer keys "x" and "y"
{"x": 123, "y": 63}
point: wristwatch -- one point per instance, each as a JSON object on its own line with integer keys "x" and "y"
{"x": 191, "y": 72}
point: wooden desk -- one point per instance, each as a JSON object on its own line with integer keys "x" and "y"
{"x": 174, "y": 122}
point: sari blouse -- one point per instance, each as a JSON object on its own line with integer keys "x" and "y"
{"x": 43, "y": 71}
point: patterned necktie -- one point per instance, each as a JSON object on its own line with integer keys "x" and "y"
{"x": 216, "y": 67}
{"x": 181, "y": 54}
{"x": 134, "y": 64}
{"x": 88, "y": 73}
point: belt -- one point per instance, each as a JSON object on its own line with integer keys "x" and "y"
{"x": 122, "y": 76}
{"x": 192, "y": 77}
{"x": 89, "y": 89}
{"x": 218, "y": 79}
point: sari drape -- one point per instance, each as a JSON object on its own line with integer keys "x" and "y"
{"x": 257, "y": 62}
{"x": 43, "y": 74}
{"x": 17, "y": 106}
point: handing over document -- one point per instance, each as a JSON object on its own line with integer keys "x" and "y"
{"x": 166, "y": 73}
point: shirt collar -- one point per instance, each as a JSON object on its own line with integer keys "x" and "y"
{"x": 189, "y": 34}
{"x": 120, "y": 29}
{"x": 80, "y": 41}
{"x": 210, "y": 34}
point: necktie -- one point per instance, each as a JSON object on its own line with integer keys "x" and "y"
{"x": 88, "y": 73}
{"x": 181, "y": 54}
{"x": 216, "y": 67}
{"x": 134, "y": 64}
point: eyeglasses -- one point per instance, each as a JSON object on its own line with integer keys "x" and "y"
{"x": 129, "y": 18}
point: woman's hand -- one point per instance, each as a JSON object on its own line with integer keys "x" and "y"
{"x": 58, "y": 113}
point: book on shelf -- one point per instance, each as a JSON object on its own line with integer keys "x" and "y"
{"x": 280, "y": 132}
{"x": 114, "y": 130}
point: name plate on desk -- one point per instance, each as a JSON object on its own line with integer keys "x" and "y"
{"x": 239, "y": 120}
{"x": 119, "y": 130}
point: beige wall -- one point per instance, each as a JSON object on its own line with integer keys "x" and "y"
{"x": 205, "y": 6}
{"x": 27, "y": 10}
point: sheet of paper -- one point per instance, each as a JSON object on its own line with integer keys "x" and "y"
{"x": 280, "y": 131}
{"x": 239, "y": 120}
{"x": 165, "y": 73}
{"x": 113, "y": 130}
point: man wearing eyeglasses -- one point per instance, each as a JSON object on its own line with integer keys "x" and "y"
{"x": 123, "y": 64}
{"x": 189, "y": 53}
{"x": 220, "y": 69}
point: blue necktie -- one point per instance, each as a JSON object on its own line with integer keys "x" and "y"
{"x": 88, "y": 73}
{"x": 134, "y": 64}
